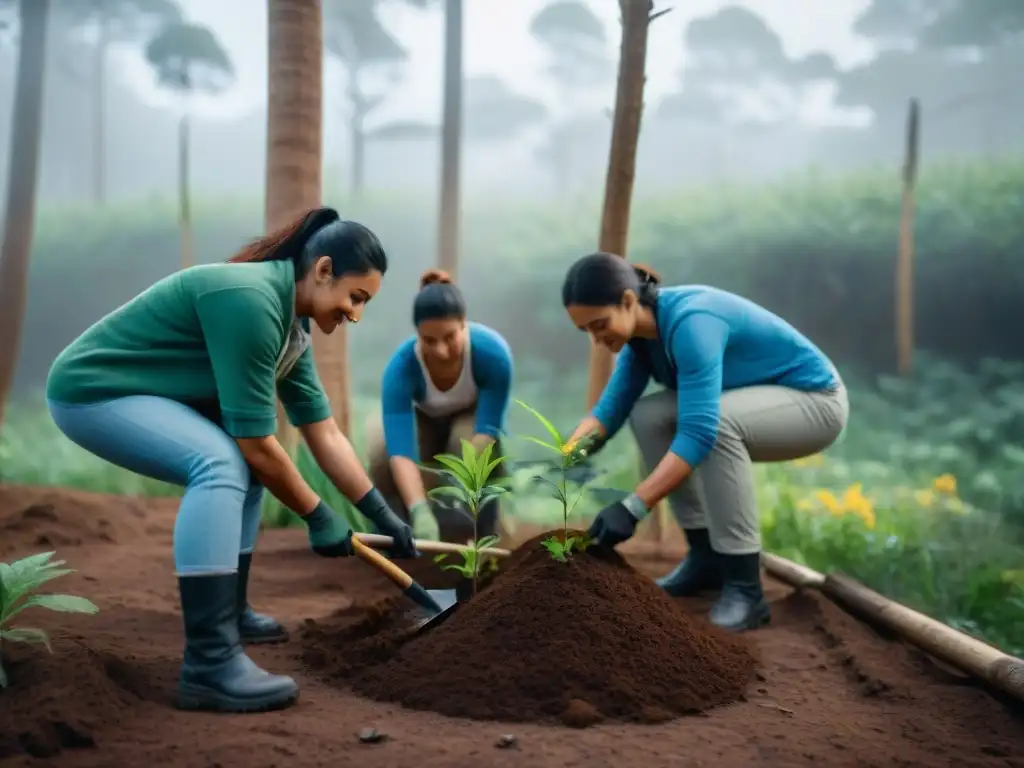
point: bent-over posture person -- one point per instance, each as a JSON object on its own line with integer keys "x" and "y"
{"x": 741, "y": 386}
{"x": 180, "y": 384}
{"x": 450, "y": 381}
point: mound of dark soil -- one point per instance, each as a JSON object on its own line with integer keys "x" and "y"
{"x": 57, "y": 702}
{"x": 580, "y": 641}
{"x": 37, "y": 519}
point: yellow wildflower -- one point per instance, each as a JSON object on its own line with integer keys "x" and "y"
{"x": 867, "y": 514}
{"x": 567, "y": 447}
{"x": 829, "y": 501}
{"x": 925, "y": 498}
{"x": 945, "y": 484}
{"x": 855, "y": 502}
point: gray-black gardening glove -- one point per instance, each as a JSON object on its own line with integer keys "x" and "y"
{"x": 329, "y": 534}
{"x": 617, "y": 522}
{"x": 375, "y": 508}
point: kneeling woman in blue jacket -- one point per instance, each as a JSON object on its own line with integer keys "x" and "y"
{"x": 742, "y": 386}
{"x": 450, "y": 381}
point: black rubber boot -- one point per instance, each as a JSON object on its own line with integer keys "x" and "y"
{"x": 255, "y": 628}
{"x": 699, "y": 571}
{"x": 742, "y": 605}
{"x": 215, "y": 673}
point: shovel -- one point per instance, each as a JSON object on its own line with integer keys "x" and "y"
{"x": 439, "y": 604}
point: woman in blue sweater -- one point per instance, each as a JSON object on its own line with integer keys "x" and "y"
{"x": 742, "y": 386}
{"x": 450, "y": 381}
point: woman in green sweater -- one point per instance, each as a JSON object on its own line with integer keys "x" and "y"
{"x": 180, "y": 384}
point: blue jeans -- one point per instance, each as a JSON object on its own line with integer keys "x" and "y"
{"x": 219, "y": 516}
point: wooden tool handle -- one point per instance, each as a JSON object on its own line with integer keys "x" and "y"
{"x": 381, "y": 563}
{"x": 430, "y": 547}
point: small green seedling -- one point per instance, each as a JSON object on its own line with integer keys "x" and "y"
{"x": 470, "y": 484}
{"x": 570, "y": 454}
{"x": 18, "y": 580}
{"x": 473, "y": 559}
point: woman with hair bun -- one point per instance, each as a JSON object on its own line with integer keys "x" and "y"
{"x": 450, "y": 381}
{"x": 741, "y": 386}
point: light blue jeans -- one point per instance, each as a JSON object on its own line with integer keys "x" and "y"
{"x": 219, "y": 516}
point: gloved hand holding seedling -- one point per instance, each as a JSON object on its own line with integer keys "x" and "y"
{"x": 570, "y": 454}
{"x": 469, "y": 483}
{"x": 18, "y": 581}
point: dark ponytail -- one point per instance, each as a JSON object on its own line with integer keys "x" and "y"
{"x": 600, "y": 279}
{"x": 438, "y": 299}
{"x": 351, "y": 247}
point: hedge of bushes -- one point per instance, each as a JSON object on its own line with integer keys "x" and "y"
{"x": 818, "y": 250}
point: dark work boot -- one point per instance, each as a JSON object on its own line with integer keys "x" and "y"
{"x": 215, "y": 673}
{"x": 699, "y": 571}
{"x": 742, "y": 605}
{"x": 255, "y": 628}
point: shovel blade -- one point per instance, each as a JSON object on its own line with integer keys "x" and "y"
{"x": 432, "y": 622}
{"x": 425, "y": 620}
{"x": 445, "y": 598}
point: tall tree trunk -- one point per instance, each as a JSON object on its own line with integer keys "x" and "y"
{"x": 905, "y": 258}
{"x": 294, "y": 156}
{"x": 451, "y": 140}
{"x": 618, "y": 190}
{"x": 23, "y": 174}
{"x": 184, "y": 200}
{"x": 357, "y": 136}
{"x": 99, "y": 107}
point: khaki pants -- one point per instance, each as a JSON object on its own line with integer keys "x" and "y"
{"x": 757, "y": 424}
{"x": 434, "y": 436}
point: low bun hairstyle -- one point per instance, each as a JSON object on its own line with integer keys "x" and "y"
{"x": 438, "y": 299}
{"x": 351, "y": 247}
{"x": 600, "y": 280}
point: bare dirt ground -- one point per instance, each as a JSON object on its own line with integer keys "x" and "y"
{"x": 828, "y": 692}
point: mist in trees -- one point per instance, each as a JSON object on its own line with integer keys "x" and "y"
{"x": 717, "y": 121}
{"x": 188, "y": 60}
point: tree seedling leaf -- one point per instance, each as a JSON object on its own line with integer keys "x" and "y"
{"x": 546, "y": 423}
{"x": 538, "y": 441}
{"x": 460, "y": 470}
{"x": 26, "y": 635}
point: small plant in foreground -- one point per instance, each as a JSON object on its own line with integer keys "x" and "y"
{"x": 18, "y": 580}
{"x": 473, "y": 559}
{"x": 469, "y": 483}
{"x": 570, "y": 454}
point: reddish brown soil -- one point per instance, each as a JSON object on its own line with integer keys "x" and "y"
{"x": 580, "y": 641}
{"x": 830, "y": 692}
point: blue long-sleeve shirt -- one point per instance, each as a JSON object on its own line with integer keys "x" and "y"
{"x": 710, "y": 341}
{"x": 404, "y": 385}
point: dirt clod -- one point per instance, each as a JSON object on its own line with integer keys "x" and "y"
{"x": 581, "y": 714}
{"x": 372, "y": 736}
{"x": 508, "y": 741}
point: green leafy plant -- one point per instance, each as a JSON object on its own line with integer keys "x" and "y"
{"x": 570, "y": 455}
{"x": 474, "y": 561}
{"x": 469, "y": 484}
{"x": 18, "y": 580}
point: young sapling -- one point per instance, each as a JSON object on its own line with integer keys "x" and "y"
{"x": 18, "y": 581}
{"x": 470, "y": 485}
{"x": 569, "y": 455}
